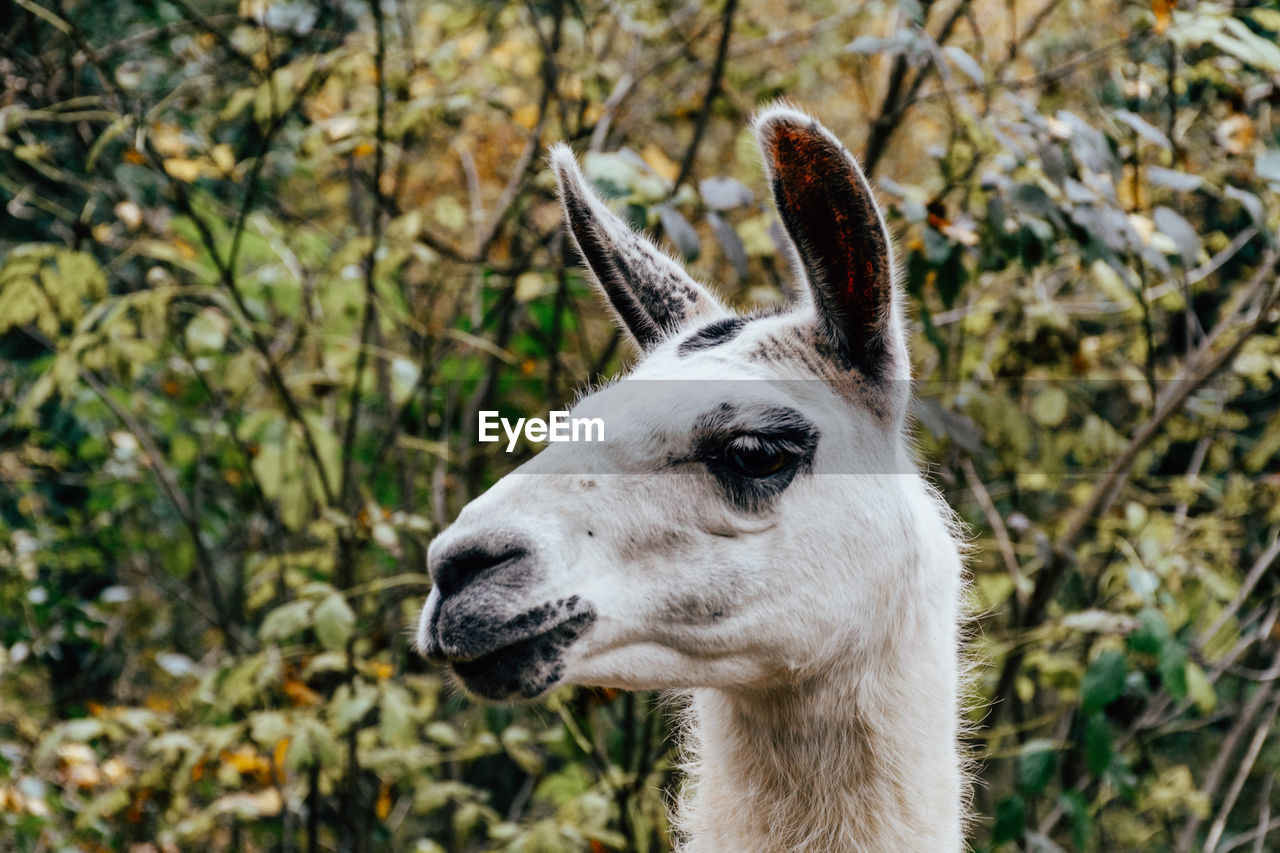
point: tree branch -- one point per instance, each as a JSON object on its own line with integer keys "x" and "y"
{"x": 713, "y": 89}
{"x": 1203, "y": 366}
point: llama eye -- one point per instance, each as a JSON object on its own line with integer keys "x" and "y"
{"x": 748, "y": 456}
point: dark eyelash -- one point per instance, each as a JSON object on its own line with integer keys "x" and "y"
{"x": 754, "y": 493}
{"x": 780, "y": 427}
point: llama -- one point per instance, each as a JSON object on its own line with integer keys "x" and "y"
{"x": 767, "y": 546}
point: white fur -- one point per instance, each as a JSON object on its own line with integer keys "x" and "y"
{"x": 823, "y": 700}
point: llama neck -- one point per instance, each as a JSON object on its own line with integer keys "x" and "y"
{"x": 858, "y": 760}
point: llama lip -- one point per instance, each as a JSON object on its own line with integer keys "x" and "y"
{"x": 526, "y": 668}
{"x": 465, "y": 628}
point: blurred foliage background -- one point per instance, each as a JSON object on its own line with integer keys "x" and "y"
{"x": 260, "y": 264}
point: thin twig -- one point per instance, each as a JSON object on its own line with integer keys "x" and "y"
{"x": 1264, "y": 818}
{"x": 371, "y": 259}
{"x": 1260, "y": 567}
{"x": 169, "y": 485}
{"x": 1202, "y": 366}
{"x": 713, "y": 89}
{"x": 1259, "y": 836}
{"x": 996, "y": 523}
{"x": 1217, "y": 771}
{"x": 1237, "y": 782}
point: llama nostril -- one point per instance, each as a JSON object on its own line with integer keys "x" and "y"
{"x": 462, "y": 565}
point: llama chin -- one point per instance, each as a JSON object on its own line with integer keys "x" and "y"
{"x": 755, "y": 534}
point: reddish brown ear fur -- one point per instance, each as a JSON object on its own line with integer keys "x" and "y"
{"x": 831, "y": 215}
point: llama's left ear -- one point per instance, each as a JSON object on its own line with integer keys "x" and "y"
{"x": 828, "y": 210}
{"x": 652, "y": 296}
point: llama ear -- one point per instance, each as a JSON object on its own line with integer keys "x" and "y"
{"x": 651, "y": 295}
{"x": 828, "y": 210}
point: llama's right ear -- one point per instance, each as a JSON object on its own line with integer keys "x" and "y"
{"x": 652, "y": 296}
{"x": 831, "y": 215}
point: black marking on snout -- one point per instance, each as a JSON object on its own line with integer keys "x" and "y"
{"x": 466, "y": 628}
{"x": 524, "y": 669}
{"x": 712, "y": 335}
{"x": 469, "y": 562}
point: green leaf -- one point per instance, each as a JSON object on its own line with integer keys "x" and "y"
{"x": 1037, "y": 763}
{"x": 328, "y": 447}
{"x": 268, "y": 728}
{"x": 1076, "y": 809}
{"x": 518, "y": 742}
{"x": 1200, "y": 689}
{"x": 1049, "y": 407}
{"x": 286, "y": 620}
{"x": 334, "y": 622}
{"x": 104, "y": 805}
{"x": 1152, "y": 632}
{"x": 1103, "y": 681}
{"x": 349, "y": 705}
{"x": 621, "y": 173}
{"x": 913, "y": 9}
{"x": 313, "y": 743}
{"x": 1011, "y": 820}
{"x": 395, "y": 716}
{"x": 1173, "y": 668}
{"x": 1098, "y": 751}
{"x": 207, "y": 332}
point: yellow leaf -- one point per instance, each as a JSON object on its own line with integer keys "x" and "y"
{"x": 341, "y": 127}
{"x": 449, "y": 212}
{"x": 383, "y": 807}
{"x": 1163, "y": 11}
{"x": 253, "y": 9}
{"x": 115, "y": 771}
{"x": 660, "y": 162}
{"x": 299, "y": 693}
{"x": 244, "y": 760}
{"x": 183, "y": 168}
{"x": 1234, "y": 133}
{"x": 223, "y": 158}
{"x": 130, "y": 214}
{"x": 1200, "y": 689}
{"x": 526, "y": 116}
{"x": 168, "y": 140}
{"x": 247, "y": 762}
{"x": 159, "y": 704}
{"x": 278, "y": 756}
{"x": 1049, "y": 407}
{"x": 529, "y": 285}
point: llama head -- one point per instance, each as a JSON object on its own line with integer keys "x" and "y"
{"x": 751, "y": 515}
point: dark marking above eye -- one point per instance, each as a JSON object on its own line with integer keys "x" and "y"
{"x": 712, "y": 335}
{"x": 778, "y": 429}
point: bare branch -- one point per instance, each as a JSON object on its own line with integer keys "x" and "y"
{"x": 713, "y": 89}
{"x": 1203, "y": 365}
